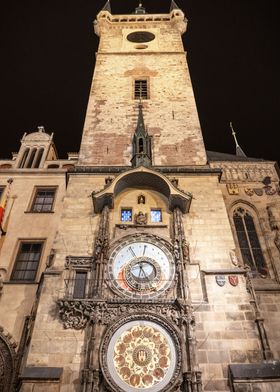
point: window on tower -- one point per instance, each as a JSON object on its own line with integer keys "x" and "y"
{"x": 141, "y": 89}
{"x": 156, "y": 215}
{"x": 126, "y": 214}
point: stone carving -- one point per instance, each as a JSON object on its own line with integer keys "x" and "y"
{"x": 274, "y": 225}
{"x": 77, "y": 313}
{"x": 141, "y": 199}
{"x": 141, "y": 316}
{"x": 141, "y": 218}
{"x": 258, "y": 191}
{"x": 233, "y": 189}
{"x": 78, "y": 261}
{"x": 269, "y": 190}
{"x": 7, "y": 361}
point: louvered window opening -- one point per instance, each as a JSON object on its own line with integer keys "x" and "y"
{"x": 141, "y": 89}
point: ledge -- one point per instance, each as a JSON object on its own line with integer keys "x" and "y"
{"x": 41, "y": 373}
{"x": 255, "y": 371}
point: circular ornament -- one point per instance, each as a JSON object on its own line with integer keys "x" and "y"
{"x": 141, "y": 267}
{"x": 141, "y": 356}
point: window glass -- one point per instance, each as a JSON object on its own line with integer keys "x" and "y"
{"x": 27, "y": 261}
{"x": 43, "y": 201}
{"x": 156, "y": 215}
{"x": 126, "y": 214}
{"x": 248, "y": 240}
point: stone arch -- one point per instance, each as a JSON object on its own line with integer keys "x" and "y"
{"x": 7, "y": 361}
{"x": 138, "y": 178}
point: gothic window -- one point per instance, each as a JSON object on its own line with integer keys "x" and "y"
{"x": 248, "y": 240}
{"x": 126, "y": 214}
{"x": 43, "y": 200}
{"x": 156, "y": 215}
{"x": 141, "y": 89}
{"x": 141, "y": 145}
{"x": 27, "y": 261}
{"x": 80, "y": 284}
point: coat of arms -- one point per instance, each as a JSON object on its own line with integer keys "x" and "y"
{"x": 233, "y": 280}
{"x": 220, "y": 280}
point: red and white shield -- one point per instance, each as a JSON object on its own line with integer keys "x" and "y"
{"x": 233, "y": 280}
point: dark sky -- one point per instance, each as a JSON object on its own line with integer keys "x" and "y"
{"x": 47, "y": 60}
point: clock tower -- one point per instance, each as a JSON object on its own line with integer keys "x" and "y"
{"x": 144, "y": 242}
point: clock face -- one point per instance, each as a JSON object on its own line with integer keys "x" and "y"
{"x": 140, "y": 36}
{"x": 141, "y": 356}
{"x": 141, "y": 268}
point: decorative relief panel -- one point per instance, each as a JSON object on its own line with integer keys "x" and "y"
{"x": 77, "y": 313}
{"x": 138, "y": 353}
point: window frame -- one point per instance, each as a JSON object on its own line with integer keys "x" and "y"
{"x": 85, "y": 283}
{"x": 34, "y": 196}
{"x": 22, "y": 242}
{"x": 263, "y": 246}
{"x": 140, "y": 97}
{"x": 126, "y": 208}
{"x": 156, "y": 209}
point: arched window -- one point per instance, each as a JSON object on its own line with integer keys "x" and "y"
{"x": 141, "y": 145}
{"x": 248, "y": 240}
{"x": 31, "y": 158}
{"x": 23, "y": 159}
{"x": 38, "y": 158}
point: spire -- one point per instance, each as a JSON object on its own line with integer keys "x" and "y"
{"x": 140, "y": 9}
{"x": 173, "y": 6}
{"x": 141, "y": 144}
{"x": 239, "y": 151}
{"x": 107, "y": 6}
{"x": 140, "y": 128}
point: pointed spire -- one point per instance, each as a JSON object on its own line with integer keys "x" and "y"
{"x": 173, "y": 6}
{"x": 239, "y": 151}
{"x": 107, "y": 6}
{"x": 140, "y": 128}
{"x": 141, "y": 144}
{"x": 140, "y": 9}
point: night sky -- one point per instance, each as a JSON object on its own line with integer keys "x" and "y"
{"x": 47, "y": 59}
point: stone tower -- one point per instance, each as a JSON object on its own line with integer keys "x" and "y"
{"x": 142, "y": 288}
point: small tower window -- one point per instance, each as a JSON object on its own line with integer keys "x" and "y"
{"x": 31, "y": 158}
{"x": 24, "y": 157}
{"x": 126, "y": 214}
{"x": 156, "y": 215}
{"x": 141, "y": 89}
{"x": 141, "y": 145}
{"x": 38, "y": 158}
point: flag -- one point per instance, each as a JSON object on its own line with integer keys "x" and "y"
{"x": 3, "y": 204}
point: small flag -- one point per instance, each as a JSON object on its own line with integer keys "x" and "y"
{"x": 3, "y": 204}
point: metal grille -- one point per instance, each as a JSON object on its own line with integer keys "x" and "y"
{"x": 141, "y": 89}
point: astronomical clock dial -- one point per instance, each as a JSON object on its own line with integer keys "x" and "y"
{"x": 141, "y": 268}
{"x": 141, "y": 356}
